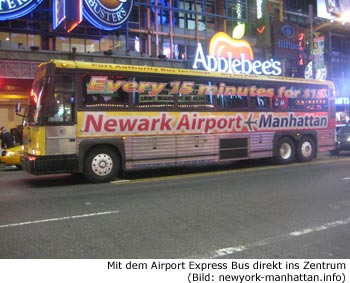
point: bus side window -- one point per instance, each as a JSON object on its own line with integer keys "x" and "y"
{"x": 280, "y": 102}
{"x": 153, "y": 92}
{"x": 260, "y": 102}
{"x": 104, "y": 91}
{"x": 198, "y": 98}
{"x": 232, "y": 101}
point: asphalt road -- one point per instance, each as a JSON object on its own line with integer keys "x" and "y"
{"x": 244, "y": 210}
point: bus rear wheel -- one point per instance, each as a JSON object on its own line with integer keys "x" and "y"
{"x": 101, "y": 164}
{"x": 306, "y": 149}
{"x": 285, "y": 152}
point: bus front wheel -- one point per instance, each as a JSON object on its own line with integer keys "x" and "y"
{"x": 101, "y": 164}
{"x": 285, "y": 152}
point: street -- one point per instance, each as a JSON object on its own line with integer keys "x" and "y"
{"x": 251, "y": 209}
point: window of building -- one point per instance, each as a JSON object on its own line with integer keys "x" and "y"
{"x": 78, "y": 43}
{"x": 62, "y": 44}
{"x": 110, "y": 42}
{"x": 19, "y": 38}
{"x": 160, "y": 13}
{"x": 4, "y": 36}
{"x": 187, "y": 15}
{"x": 92, "y": 45}
{"x": 302, "y": 6}
{"x": 34, "y": 40}
{"x": 237, "y": 10}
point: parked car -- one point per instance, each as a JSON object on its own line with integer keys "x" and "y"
{"x": 12, "y": 156}
{"x": 342, "y": 139}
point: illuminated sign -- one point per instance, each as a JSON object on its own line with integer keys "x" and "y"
{"x": 11, "y": 9}
{"x": 259, "y": 9}
{"x": 333, "y": 9}
{"x": 107, "y": 14}
{"x": 59, "y": 12}
{"x": 233, "y": 55}
{"x": 113, "y": 123}
{"x": 286, "y": 42}
{"x": 287, "y": 31}
{"x": 337, "y": 7}
{"x": 342, "y": 101}
{"x": 65, "y": 14}
{"x": 239, "y": 10}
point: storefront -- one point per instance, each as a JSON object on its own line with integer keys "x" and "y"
{"x": 342, "y": 110}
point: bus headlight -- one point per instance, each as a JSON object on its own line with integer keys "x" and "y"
{"x": 36, "y": 151}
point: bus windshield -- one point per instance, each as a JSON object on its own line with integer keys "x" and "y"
{"x": 39, "y": 101}
{"x": 48, "y": 105}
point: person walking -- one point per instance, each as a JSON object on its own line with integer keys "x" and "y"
{"x": 7, "y": 139}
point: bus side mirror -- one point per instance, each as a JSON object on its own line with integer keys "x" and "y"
{"x": 18, "y": 107}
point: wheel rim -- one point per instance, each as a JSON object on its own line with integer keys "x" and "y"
{"x": 306, "y": 149}
{"x": 102, "y": 164}
{"x": 285, "y": 151}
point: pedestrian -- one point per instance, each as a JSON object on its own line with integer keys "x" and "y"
{"x": 7, "y": 139}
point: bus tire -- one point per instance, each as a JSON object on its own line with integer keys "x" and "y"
{"x": 101, "y": 164}
{"x": 306, "y": 149}
{"x": 285, "y": 152}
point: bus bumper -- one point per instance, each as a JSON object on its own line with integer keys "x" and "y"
{"x": 40, "y": 165}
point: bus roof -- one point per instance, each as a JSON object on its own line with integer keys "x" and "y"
{"x": 70, "y": 64}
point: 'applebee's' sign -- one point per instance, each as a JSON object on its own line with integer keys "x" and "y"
{"x": 231, "y": 55}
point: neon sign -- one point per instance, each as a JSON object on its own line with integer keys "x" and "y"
{"x": 15, "y": 9}
{"x": 259, "y": 9}
{"x": 342, "y": 101}
{"x": 68, "y": 15}
{"x": 59, "y": 12}
{"x": 234, "y": 55}
{"x": 107, "y": 14}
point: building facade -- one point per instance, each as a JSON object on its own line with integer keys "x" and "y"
{"x": 162, "y": 33}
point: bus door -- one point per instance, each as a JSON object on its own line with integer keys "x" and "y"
{"x": 61, "y": 127}
{"x": 60, "y": 140}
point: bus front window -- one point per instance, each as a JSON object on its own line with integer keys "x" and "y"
{"x": 51, "y": 107}
{"x": 36, "y": 99}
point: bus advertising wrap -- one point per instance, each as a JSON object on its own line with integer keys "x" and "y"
{"x": 140, "y": 123}
{"x": 105, "y": 86}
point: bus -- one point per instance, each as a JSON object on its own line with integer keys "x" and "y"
{"x": 101, "y": 119}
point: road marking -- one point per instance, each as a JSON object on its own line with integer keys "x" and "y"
{"x": 59, "y": 219}
{"x": 321, "y": 227}
{"x": 278, "y": 238}
{"x": 120, "y": 181}
{"x": 226, "y": 171}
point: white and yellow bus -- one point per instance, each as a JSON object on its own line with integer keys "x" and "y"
{"x": 100, "y": 119}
